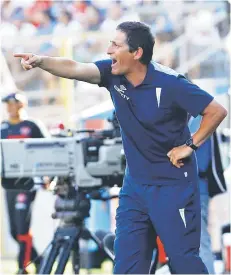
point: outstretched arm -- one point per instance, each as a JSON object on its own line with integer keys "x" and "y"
{"x": 61, "y": 67}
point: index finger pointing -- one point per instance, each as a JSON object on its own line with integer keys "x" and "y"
{"x": 22, "y": 55}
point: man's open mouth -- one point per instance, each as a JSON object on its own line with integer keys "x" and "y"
{"x": 114, "y": 61}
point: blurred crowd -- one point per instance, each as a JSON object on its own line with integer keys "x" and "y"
{"x": 25, "y": 22}
{"x": 63, "y": 18}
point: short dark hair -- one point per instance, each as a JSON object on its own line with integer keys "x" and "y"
{"x": 139, "y": 35}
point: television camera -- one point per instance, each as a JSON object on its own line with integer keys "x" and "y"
{"x": 89, "y": 163}
{"x": 81, "y": 169}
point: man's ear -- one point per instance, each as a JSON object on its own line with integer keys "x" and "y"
{"x": 138, "y": 53}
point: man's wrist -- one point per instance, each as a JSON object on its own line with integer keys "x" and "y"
{"x": 190, "y": 144}
{"x": 40, "y": 61}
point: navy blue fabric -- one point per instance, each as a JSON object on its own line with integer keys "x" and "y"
{"x": 23, "y": 129}
{"x": 145, "y": 207}
{"x": 151, "y": 127}
{"x": 203, "y": 154}
{"x": 203, "y": 160}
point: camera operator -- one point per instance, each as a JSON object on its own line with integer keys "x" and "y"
{"x": 19, "y": 198}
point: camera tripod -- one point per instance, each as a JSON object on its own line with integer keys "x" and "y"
{"x": 71, "y": 211}
{"x": 66, "y": 239}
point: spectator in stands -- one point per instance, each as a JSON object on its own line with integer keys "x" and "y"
{"x": 202, "y": 33}
{"x": 116, "y": 14}
{"x": 46, "y": 26}
{"x": 46, "y": 22}
{"x": 163, "y": 28}
{"x": 37, "y": 6}
{"x": 7, "y": 9}
{"x": 66, "y": 26}
{"x": 113, "y": 17}
{"x": 81, "y": 6}
{"x": 24, "y": 28}
{"x": 14, "y": 27}
{"x": 92, "y": 19}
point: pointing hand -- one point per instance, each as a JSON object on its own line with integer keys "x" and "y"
{"x": 29, "y": 60}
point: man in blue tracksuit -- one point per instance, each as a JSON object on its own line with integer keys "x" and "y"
{"x": 160, "y": 191}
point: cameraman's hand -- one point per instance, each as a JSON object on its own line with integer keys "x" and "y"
{"x": 29, "y": 60}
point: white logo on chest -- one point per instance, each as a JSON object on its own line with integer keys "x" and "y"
{"x": 158, "y": 94}
{"x": 121, "y": 90}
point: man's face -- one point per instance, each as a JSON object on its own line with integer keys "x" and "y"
{"x": 122, "y": 59}
{"x": 13, "y": 108}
